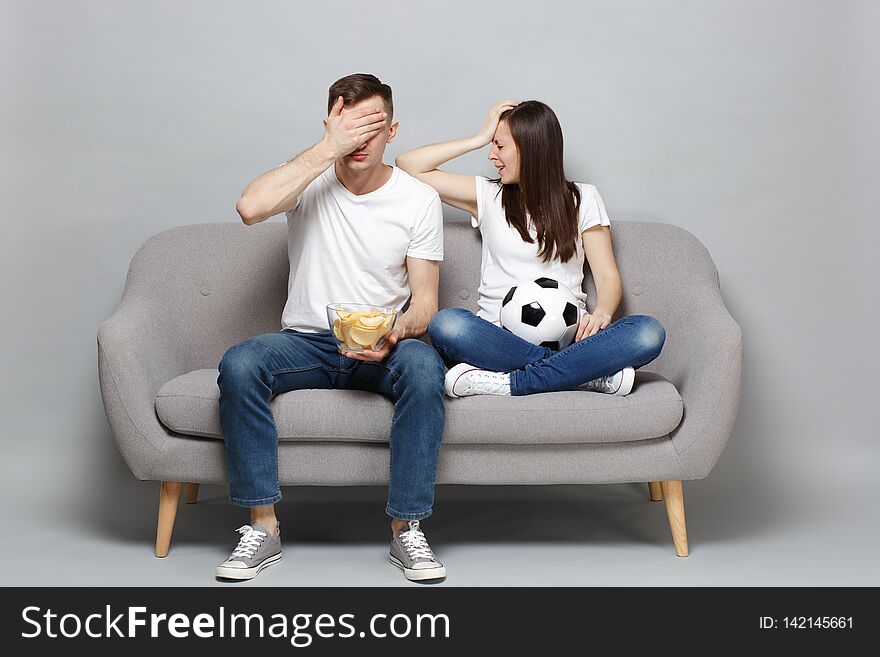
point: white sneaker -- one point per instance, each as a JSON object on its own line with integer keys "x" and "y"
{"x": 464, "y": 380}
{"x": 615, "y": 384}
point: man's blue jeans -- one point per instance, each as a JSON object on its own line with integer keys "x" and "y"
{"x": 462, "y": 337}
{"x": 255, "y": 370}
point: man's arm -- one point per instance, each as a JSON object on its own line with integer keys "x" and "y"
{"x": 277, "y": 190}
{"x": 424, "y": 284}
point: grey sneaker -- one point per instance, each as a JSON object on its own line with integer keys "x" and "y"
{"x": 411, "y": 553}
{"x": 255, "y": 551}
{"x": 620, "y": 383}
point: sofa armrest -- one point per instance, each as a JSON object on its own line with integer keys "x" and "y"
{"x": 702, "y": 357}
{"x": 137, "y": 354}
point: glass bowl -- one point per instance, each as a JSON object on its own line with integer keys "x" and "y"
{"x": 360, "y": 327}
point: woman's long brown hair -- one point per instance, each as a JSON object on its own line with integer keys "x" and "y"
{"x": 550, "y": 200}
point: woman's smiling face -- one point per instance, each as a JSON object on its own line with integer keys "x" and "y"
{"x": 504, "y": 154}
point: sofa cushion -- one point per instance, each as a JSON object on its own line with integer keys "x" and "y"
{"x": 189, "y": 404}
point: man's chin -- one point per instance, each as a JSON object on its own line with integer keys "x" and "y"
{"x": 358, "y": 166}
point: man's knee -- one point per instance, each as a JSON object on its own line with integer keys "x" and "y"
{"x": 241, "y": 363}
{"x": 416, "y": 361}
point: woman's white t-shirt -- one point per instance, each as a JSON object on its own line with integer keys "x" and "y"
{"x": 508, "y": 260}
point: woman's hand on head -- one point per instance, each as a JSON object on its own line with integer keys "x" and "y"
{"x": 487, "y": 132}
{"x": 591, "y": 324}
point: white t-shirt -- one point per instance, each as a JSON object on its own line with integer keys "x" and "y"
{"x": 507, "y": 259}
{"x": 347, "y": 248}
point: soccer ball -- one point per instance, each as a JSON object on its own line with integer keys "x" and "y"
{"x": 542, "y": 312}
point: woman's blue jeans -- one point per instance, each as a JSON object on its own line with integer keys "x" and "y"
{"x": 461, "y": 337}
{"x": 257, "y": 369}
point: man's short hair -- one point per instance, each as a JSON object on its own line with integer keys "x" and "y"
{"x": 357, "y": 87}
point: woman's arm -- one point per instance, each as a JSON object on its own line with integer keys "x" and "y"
{"x": 609, "y": 287}
{"x": 456, "y": 190}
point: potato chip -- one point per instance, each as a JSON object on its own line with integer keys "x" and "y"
{"x": 364, "y": 329}
{"x": 372, "y": 322}
{"x": 362, "y": 337}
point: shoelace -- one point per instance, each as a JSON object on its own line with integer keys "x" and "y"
{"x": 415, "y": 542}
{"x": 249, "y": 543}
{"x": 603, "y": 382}
{"x": 491, "y": 382}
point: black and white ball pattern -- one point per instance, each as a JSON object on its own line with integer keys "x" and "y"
{"x": 543, "y": 312}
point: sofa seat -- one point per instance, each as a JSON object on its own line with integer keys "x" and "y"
{"x": 189, "y": 405}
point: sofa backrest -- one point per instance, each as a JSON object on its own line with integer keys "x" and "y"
{"x": 220, "y": 283}
{"x": 652, "y": 258}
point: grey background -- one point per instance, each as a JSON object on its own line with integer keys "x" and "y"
{"x": 751, "y": 124}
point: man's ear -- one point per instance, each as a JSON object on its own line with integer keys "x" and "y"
{"x": 392, "y": 131}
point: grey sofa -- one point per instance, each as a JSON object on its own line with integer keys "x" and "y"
{"x": 192, "y": 292}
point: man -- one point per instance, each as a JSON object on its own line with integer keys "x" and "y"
{"x": 358, "y": 231}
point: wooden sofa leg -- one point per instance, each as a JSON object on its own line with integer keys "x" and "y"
{"x": 674, "y": 499}
{"x": 655, "y": 490}
{"x": 169, "y": 497}
{"x": 192, "y": 493}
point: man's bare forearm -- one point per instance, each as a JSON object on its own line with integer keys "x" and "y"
{"x": 414, "y": 322}
{"x": 277, "y": 190}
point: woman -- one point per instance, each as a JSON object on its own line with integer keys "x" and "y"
{"x": 534, "y": 223}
